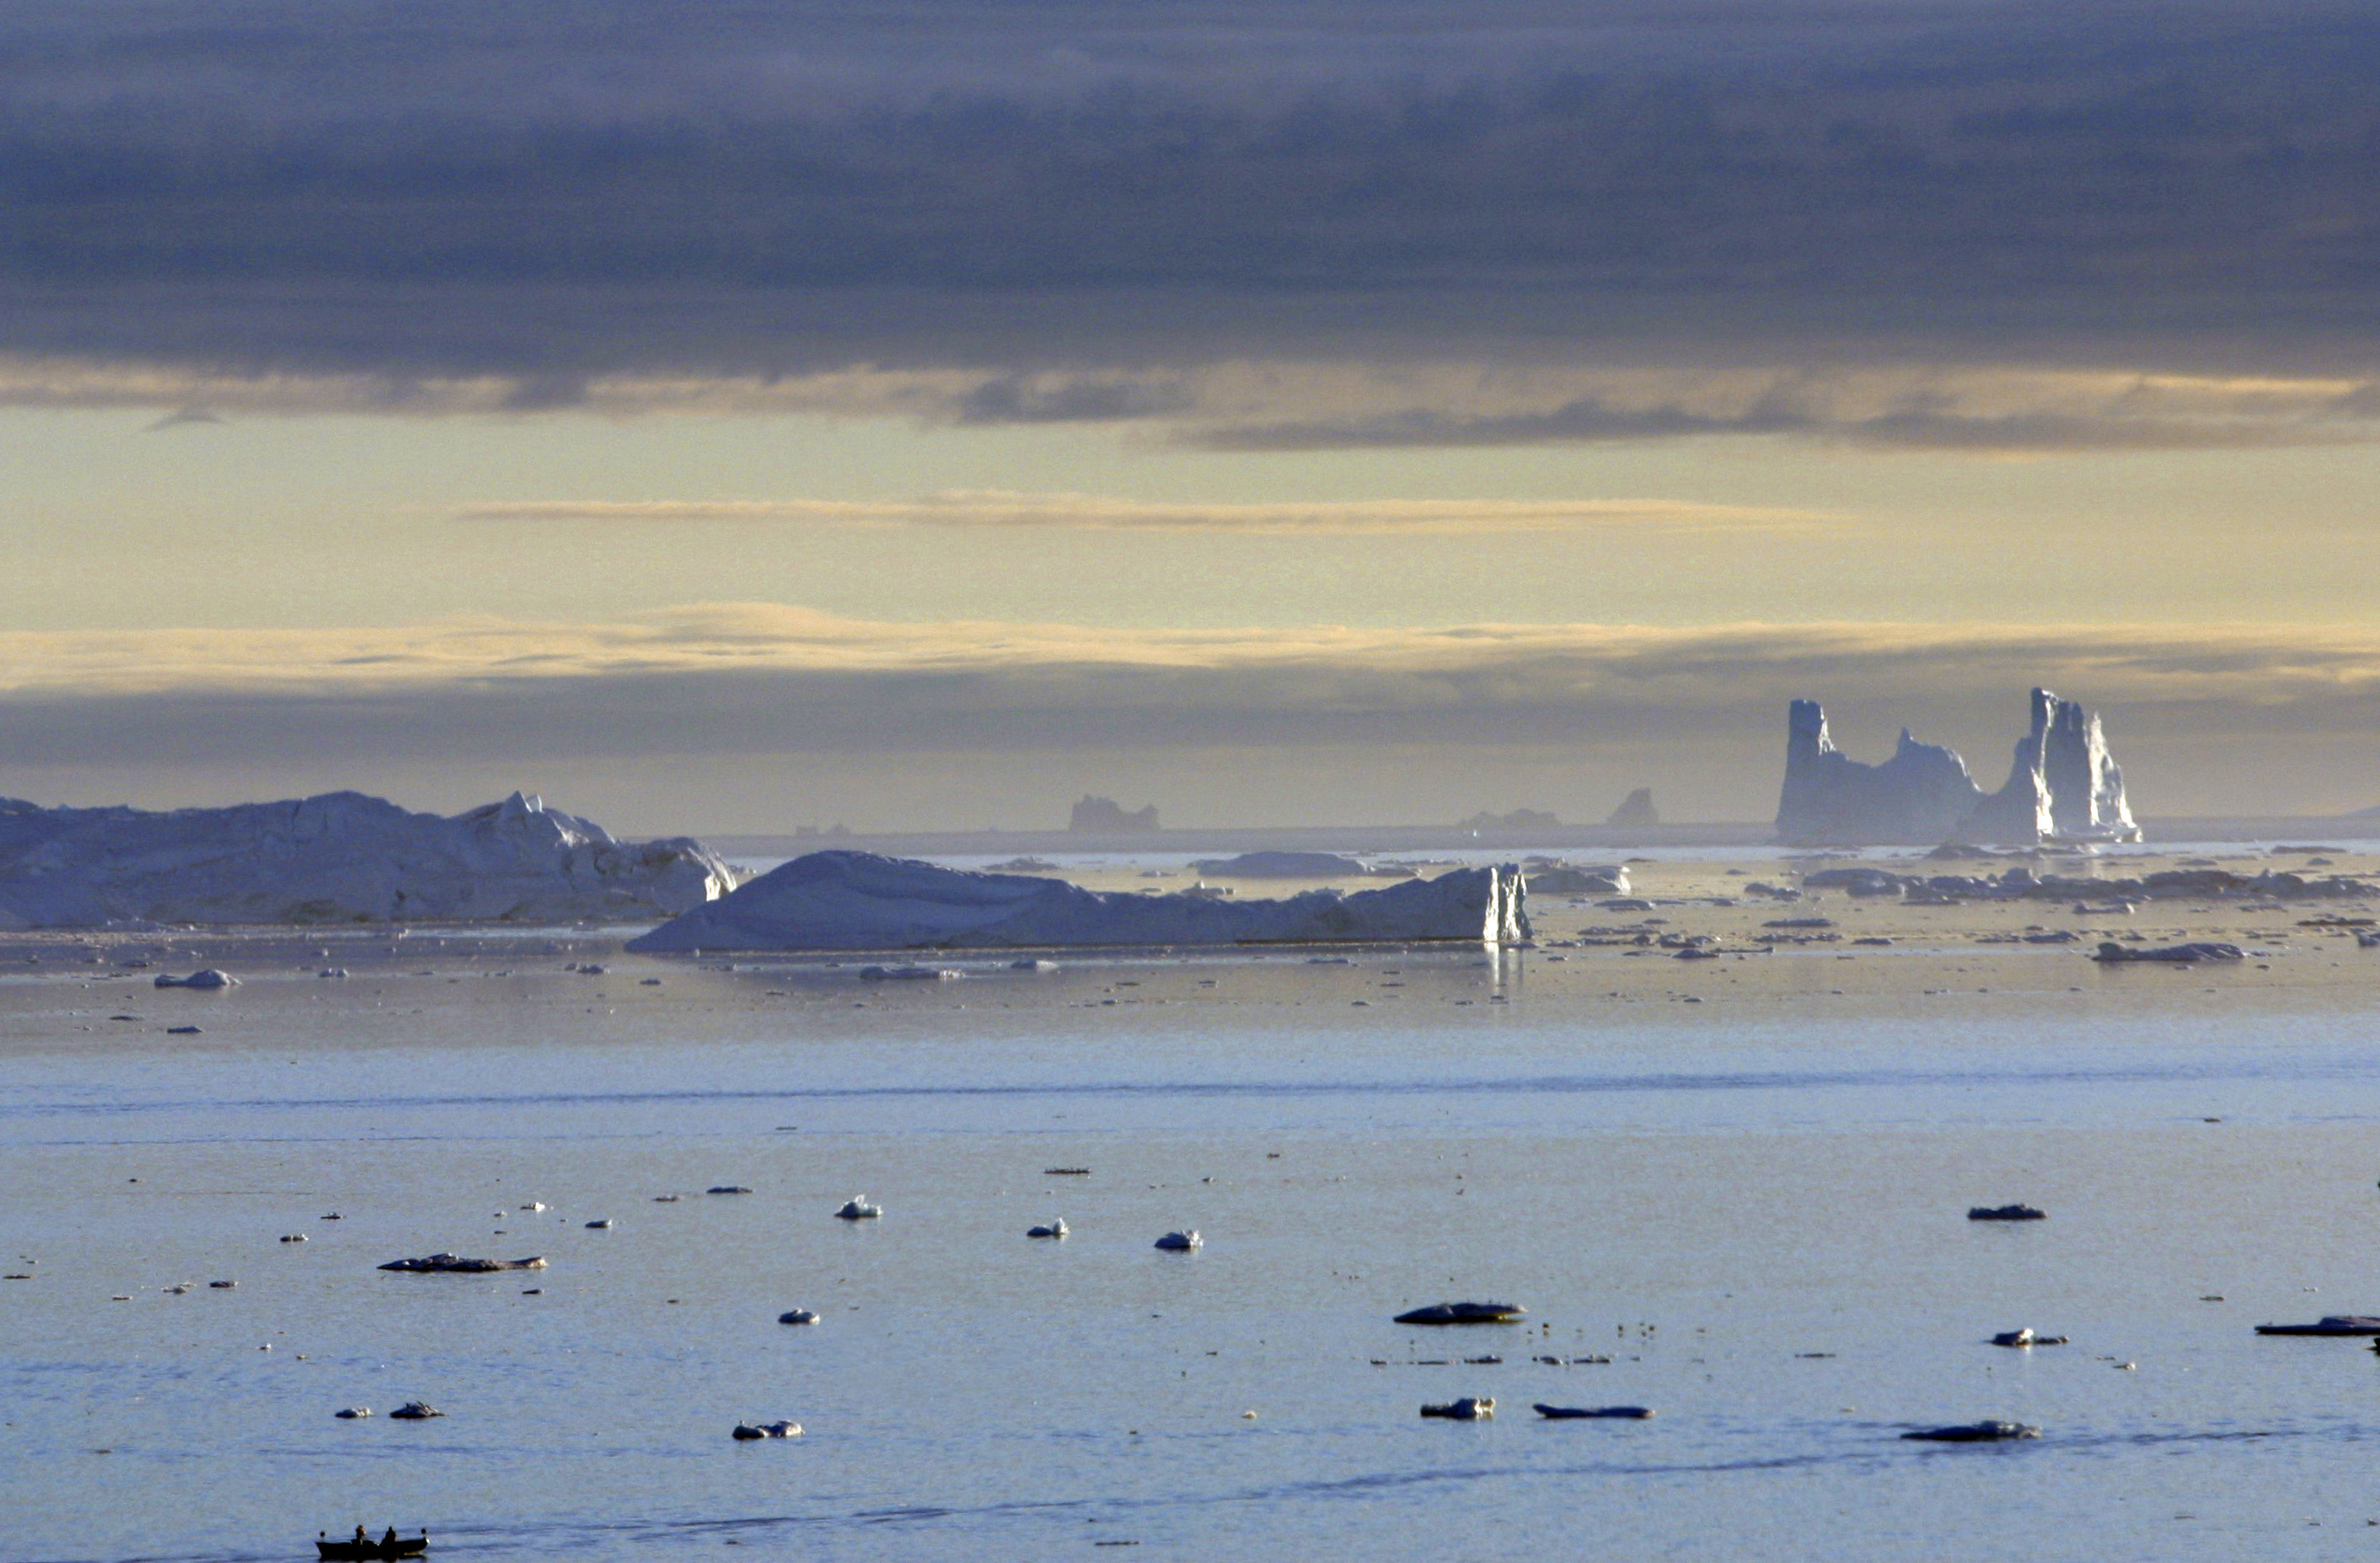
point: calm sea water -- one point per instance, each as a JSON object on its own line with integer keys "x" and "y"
{"x": 1754, "y": 1207}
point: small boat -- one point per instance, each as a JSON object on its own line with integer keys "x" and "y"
{"x": 390, "y": 1546}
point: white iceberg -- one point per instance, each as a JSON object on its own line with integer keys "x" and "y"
{"x": 342, "y": 857}
{"x": 840, "y": 901}
{"x": 2063, "y": 787}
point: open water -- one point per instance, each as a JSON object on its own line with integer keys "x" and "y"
{"x": 1753, "y": 1206}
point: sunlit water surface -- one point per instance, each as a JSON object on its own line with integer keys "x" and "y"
{"x": 1754, "y": 1206}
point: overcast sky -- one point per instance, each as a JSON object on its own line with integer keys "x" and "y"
{"x": 724, "y": 417}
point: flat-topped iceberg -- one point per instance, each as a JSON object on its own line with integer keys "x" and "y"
{"x": 861, "y": 901}
{"x": 342, "y": 857}
{"x": 2064, "y": 786}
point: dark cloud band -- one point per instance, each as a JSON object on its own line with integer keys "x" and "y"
{"x": 551, "y": 191}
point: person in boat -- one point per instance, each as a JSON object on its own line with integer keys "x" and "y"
{"x": 388, "y": 1542}
{"x": 362, "y": 1540}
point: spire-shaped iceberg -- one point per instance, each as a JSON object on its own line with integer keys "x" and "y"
{"x": 2064, "y": 786}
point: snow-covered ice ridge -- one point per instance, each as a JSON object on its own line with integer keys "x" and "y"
{"x": 342, "y": 857}
{"x": 861, "y": 901}
{"x": 2064, "y": 787}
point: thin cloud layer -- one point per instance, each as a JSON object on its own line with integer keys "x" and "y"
{"x": 1106, "y": 513}
{"x": 1247, "y": 404}
{"x": 1075, "y": 213}
{"x": 1390, "y": 675}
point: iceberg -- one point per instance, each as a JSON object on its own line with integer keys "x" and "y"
{"x": 2064, "y": 786}
{"x": 1104, "y": 816}
{"x": 1635, "y": 811}
{"x": 1285, "y": 865}
{"x": 341, "y": 857}
{"x": 1561, "y": 879}
{"x": 843, "y": 901}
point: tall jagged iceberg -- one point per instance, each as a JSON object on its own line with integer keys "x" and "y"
{"x": 2064, "y": 786}
{"x": 862, "y": 901}
{"x": 340, "y": 857}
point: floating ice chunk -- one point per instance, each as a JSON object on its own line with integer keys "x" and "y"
{"x": 2109, "y": 951}
{"x": 860, "y": 902}
{"x": 1180, "y": 1242}
{"x": 210, "y": 981}
{"x": 1575, "y": 1413}
{"x": 1975, "y": 1433}
{"x": 856, "y": 1208}
{"x": 1464, "y": 1313}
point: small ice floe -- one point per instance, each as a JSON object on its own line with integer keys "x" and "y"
{"x": 1471, "y": 1408}
{"x": 856, "y": 1208}
{"x": 749, "y": 1431}
{"x": 535, "y": 1205}
{"x": 2006, "y": 1212}
{"x": 1180, "y": 1242}
{"x": 909, "y": 974}
{"x": 208, "y": 980}
{"x": 727, "y": 1188}
{"x": 330, "y": 973}
{"x": 415, "y": 1411}
{"x": 1056, "y": 1228}
{"x": 1029, "y": 964}
{"x": 600, "y": 1223}
{"x": 221, "y": 1286}
{"x": 2330, "y": 1324}
{"x": 798, "y": 1317}
{"x": 295, "y": 1238}
{"x": 183, "y": 1031}
{"x": 648, "y": 981}
{"x": 451, "y": 1263}
{"x": 352, "y": 1413}
{"x": 1464, "y": 1313}
{"x": 2027, "y": 1337}
{"x": 1065, "y": 1172}
{"x": 1975, "y": 1432}
{"x": 2201, "y": 951}
{"x": 665, "y": 1198}
{"x": 1576, "y": 1414}
{"x": 333, "y": 1215}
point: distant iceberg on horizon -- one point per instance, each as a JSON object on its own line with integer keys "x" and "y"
{"x": 338, "y": 856}
{"x": 843, "y": 901}
{"x": 2064, "y": 786}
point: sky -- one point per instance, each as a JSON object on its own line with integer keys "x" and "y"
{"x": 729, "y": 416}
